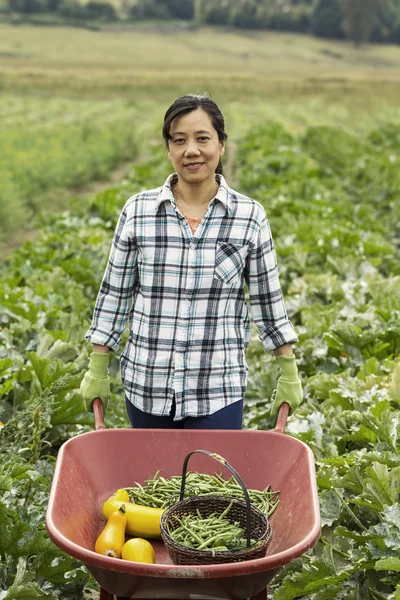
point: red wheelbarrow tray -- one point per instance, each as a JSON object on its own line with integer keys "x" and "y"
{"x": 91, "y": 466}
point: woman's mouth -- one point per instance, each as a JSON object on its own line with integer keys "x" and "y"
{"x": 194, "y": 166}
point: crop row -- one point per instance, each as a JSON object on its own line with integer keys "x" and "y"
{"x": 332, "y": 200}
{"x": 47, "y": 146}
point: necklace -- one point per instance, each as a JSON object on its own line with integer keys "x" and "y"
{"x": 178, "y": 201}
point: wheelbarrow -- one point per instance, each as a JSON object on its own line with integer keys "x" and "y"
{"x": 91, "y": 466}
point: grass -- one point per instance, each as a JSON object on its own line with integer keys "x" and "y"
{"x": 48, "y": 74}
{"x": 141, "y": 61}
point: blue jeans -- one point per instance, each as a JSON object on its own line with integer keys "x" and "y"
{"x": 229, "y": 417}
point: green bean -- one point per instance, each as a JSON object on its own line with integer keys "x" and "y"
{"x": 213, "y": 539}
{"x": 159, "y": 491}
{"x": 228, "y": 508}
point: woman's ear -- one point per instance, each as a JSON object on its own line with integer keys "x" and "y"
{"x": 222, "y": 148}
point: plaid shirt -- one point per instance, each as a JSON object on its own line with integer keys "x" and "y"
{"x": 184, "y": 297}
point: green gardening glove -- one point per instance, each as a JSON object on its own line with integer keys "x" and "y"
{"x": 96, "y": 382}
{"x": 289, "y": 385}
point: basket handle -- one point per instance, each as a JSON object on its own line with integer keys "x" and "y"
{"x": 224, "y": 462}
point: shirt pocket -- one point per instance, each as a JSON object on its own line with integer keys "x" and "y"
{"x": 230, "y": 261}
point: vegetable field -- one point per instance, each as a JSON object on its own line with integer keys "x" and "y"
{"x": 332, "y": 198}
{"x": 46, "y": 145}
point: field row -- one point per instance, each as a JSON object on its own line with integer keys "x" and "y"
{"x": 46, "y": 146}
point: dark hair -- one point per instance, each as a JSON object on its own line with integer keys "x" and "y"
{"x": 187, "y": 104}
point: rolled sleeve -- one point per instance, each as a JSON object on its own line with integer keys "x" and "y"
{"x": 266, "y": 301}
{"x": 116, "y": 292}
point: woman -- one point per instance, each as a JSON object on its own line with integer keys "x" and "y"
{"x": 176, "y": 271}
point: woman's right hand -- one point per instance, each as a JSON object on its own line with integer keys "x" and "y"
{"x": 96, "y": 381}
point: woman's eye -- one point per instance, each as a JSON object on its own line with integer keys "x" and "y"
{"x": 179, "y": 141}
{"x": 204, "y": 138}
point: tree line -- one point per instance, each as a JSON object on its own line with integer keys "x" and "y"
{"x": 357, "y": 20}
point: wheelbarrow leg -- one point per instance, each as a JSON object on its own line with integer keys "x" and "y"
{"x": 105, "y": 595}
{"x": 261, "y": 596}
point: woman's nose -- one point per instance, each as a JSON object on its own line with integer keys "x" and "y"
{"x": 192, "y": 148}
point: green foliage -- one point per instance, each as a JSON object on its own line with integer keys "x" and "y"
{"x": 215, "y": 12}
{"x": 326, "y": 20}
{"x": 162, "y": 9}
{"x": 44, "y": 313}
{"x": 57, "y": 143}
{"x": 100, "y": 10}
{"x": 331, "y": 200}
{"x": 26, "y": 6}
{"x": 359, "y": 19}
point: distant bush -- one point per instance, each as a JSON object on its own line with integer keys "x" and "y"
{"x": 246, "y": 15}
{"x": 388, "y": 23}
{"x": 180, "y": 9}
{"x": 101, "y": 10}
{"x": 93, "y": 10}
{"x": 297, "y": 19}
{"x": 327, "y": 19}
{"x": 26, "y": 7}
{"x": 148, "y": 9}
{"x": 162, "y": 9}
{"x": 251, "y": 14}
{"x": 395, "y": 33}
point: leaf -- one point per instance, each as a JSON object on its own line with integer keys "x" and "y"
{"x": 382, "y": 483}
{"x": 70, "y": 412}
{"x": 388, "y": 564}
{"x": 5, "y": 364}
{"x": 5, "y": 482}
{"x": 52, "y": 565}
{"x": 315, "y": 576}
{"x": 394, "y": 386}
{"x": 330, "y": 507}
{"x": 50, "y": 348}
{"x": 11, "y": 528}
{"x": 49, "y": 371}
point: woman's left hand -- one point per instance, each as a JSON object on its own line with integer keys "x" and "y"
{"x": 289, "y": 388}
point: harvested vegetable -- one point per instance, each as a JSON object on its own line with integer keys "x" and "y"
{"x": 111, "y": 540}
{"x": 161, "y": 492}
{"x": 122, "y": 495}
{"x": 215, "y": 532}
{"x": 142, "y": 521}
{"x": 139, "y": 550}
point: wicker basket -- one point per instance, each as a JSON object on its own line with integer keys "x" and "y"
{"x": 252, "y": 519}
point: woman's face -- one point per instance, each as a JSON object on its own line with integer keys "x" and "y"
{"x": 194, "y": 148}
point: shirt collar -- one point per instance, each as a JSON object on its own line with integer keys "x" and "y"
{"x": 223, "y": 194}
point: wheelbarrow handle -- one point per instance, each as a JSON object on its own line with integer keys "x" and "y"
{"x": 282, "y": 417}
{"x": 98, "y": 414}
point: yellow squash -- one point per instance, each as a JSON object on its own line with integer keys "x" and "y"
{"x": 121, "y": 494}
{"x": 138, "y": 550}
{"x": 142, "y": 521}
{"x": 111, "y": 540}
